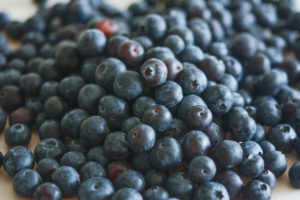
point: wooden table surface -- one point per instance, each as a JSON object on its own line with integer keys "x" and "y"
{"x": 21, "y": 9}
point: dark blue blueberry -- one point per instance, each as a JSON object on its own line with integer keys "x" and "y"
{"x": 131, "y": 53}
{"x": 30, "y": 83}
{"x": 67, "y": 179}
{"x": 17, "y": 64}
{"x": 166, "y": 154}
{"x": 73, "y": 159}
{"x": 130, "y": 179}
{"x": 21, "y": 116}
{"x": 70, "y": 86}
{"x": 268, "y": 113}
{"x": 154, "y": 26}
{"x": 34, "y": 104}
{"x": 9, "y": 77}
{"x": 16, "y": 159}
{"x": 214, "y": 133}
{"x": 267, "y": 146}
{"x": 91, "y": 169}
{"x": 25, "y": 182}
{"x": 268, "y": 177}
{"x": 276, "y": 162}
{"x": 260, "y": 133}
{"x": 40, "y": 118}
{"x": 202, "y": 169}
{"x": 218, "y": 49}
{"x": 251, "y": 166}
{"x": 230, "y": 82}
{"x": 228, "y": 154}
{"x": 116, "y": 146}
{"x": 155, "y": 178}
{"x": 201, "y": 31}
{"x": 177, "y": 130}
{"x": 168, "y": 94}
{"x": 286, "y": 93}
{"x": 198, "y": 117}
{"x": 96, "y": 188}
{"x": 50, "y": 129}
{"x": 114, "y": 43}
{"x": 195, "y": 143}
{"x": 291, "y": 111}
{"x": 192, "y": 54}
{"x": 239, "y": 100}
{"x": 129, "y": 123}
{"x": 159, "y": 52}
{"x": 232, "y": 181}
{"x": 46, "y": 167}
{"x": 244, "y": 46}
{"x": 233, "y": 67}
{"x": 156, "y": 193}
{"x": 243, "y": 126}
{"x": 259, "y": 64}
{"x": 70, "y": 123}
{"x": 78, "y": 145}
{"x": 154, "y": 72}
{"x": 47, "y": 191}
{"x": 17, "y": 135}
{"x": 141, "y": 138}
{"x": 97, "y": 154}
{"x": 184, "y": 32}
{"x": 91, "y": 42}
{"x": 192, "y": 81}
{"x": 213, "y": 68}
{"x": 49, "y": 148}
{"x": 219, "y": 99}
{"x": 187, "y": 103}
{"x": 145, "y": 41}
{"x": 292, "y": 68}
{"x": 55, "y": 108}
{"x": 14, "y": 29}
{"x": 93, "y": 130}
{"x": 174, "y": 68}
{"x": 180, "y": 186}
{"x": 115, "y": 168}
{"x": 251, "y": 147}
{"x": 176, "y": 17}
{"x": 11, "y": 98}
{"x": 113, "y": 109}
{"x": 294, "y": 174}
{"x": 211, "y": 190}
{"x": 175, "y": 43}
{"x": 127, "y": 194}
{"x": 258, "y": 190}
{"x": 88, "y": 97}
{"x": 159, "y": 117}
{"x": 88, "y": 69}
{"x": 128, "y": 85}
{"x": 141, "y": 104}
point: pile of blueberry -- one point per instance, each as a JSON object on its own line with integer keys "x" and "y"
{"x": 173, "y": 99}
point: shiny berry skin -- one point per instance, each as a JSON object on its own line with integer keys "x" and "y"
{"x": 195, "y": 143}
{"x": 180, "y": 186}
{"x": 198, "y": 117}
{"x": 256, "y": 189}
{"x": 141, "y": 104}
{"x": 166, "y": 154}
{"x": 25, "y": 182}
{"x": 159, "y": 117}
{"x": 17, "y": 135}
{"x": 129, "y": 123}
{"x": 107, "y": 26}
{"x": 251, "y": 166}
{"x": 67, "y": 179}
{"x": 11, "y": 98}
{"x": 232, "y": 181}
{"x": 131, "y": 53}
{"x": 174, "y": 68}
{"x": 78, "y": 145}
{"x": 114, "y": 43}
{"x": 96, "y": 188}
{"x": 116, "y": 145}
{"x": 155, "y": 193}
{"x": 187, "y": 102}
{"x": 69, "y": 87}
{"x": 130, "y": 179}
{"x": 177, "y": 130}
{"x": 268, "y": 177}
{"x": 276, "y": 162}
{"x": 294, "y": 174}
{"x": 228, "y": 154}
{"x": 233, "y": 67}
{"x": 251, "y": 147}
{"x": 91, "y": 42}
{"x": 127, "y": 194}
{"x": 141, "y": 138}
{"x": 47, "y": 191}
{"x": 268, "y": 113}
{"x": 159, "y": 52}
{"x": 46, "y": 167}
{"x": 50, "y": 129}
{"x": 211, "y": 190}
{"x": 16, "y": 159}
{"x": 154, "y": 72}
{"x": 49, "y": 148}
{"x": 154, "y": 26}
{"x": 73, "y": 159}
{"x": 175, "y": 43}
{"x": 192, "y": 54}
{"x": 128, "y": 85}
{"x": 91, "y": 169}
{"x": 201, "y": 169}
{"x": 214, "y": 133}
{"x": 55, "y": 108}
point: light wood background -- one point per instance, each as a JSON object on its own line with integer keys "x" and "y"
{"x": 21, "y": 9}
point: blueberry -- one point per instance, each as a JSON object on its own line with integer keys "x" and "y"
{"x": 91, "y": 42}
{"x": 16, "y": 159}
{"x": 174, "y": 68}
{"x": 177, "y": 130}
{"x": 219, "y": 49}
{"x": 127, "y": 194}
{"x": 97, "y": 154}
{"x": 187, "y": 102}
{"x": 21, "y": 116}
{"x": 114, "y": 43}
{"x": 131, "y": 53}
{"x": 25, "y": 182}
{"x": 290, "y": 111}
{"x": 219, "y": 99}
{"x": 155, "y": 178}
{"x": 156, "y": 193}
{"x": 154, "y": 26}
{"x": 35, "y": 105}
{"x": 141, "y": 138}
{"x": 130, "y": 179}
{"x": 251, "y": 147}
{"x": 96, "y": 188}
{"x": 47, "y": 191}
{"x": 228, "y": 154}
{"x": 73, "y": 159}
{"x": 180, "y": 186}
{"x": 175, "y": 43}
{"x": 46, "y": 167}
{"x": 107, "y": 71}
{"x": 48, "y": 71}
{"x": 159, "y": 117}
{"x": 260, "y": 133}
{"x": 67, "y": 179}
{"x": 233, "y": 67}
{"x": 141, "y": 104}
{"x": 154, "y": 72}
{"x": 251, "y": 166}
{"x": 113, "y": 109}
{"x": 55, "y": 108}
{"x": 267, "y": 146}
{"x": 159, "y": 53}
{"x": 232, "y": 181}
{"x": 128, "y": 85}
{"x": 145, "y": 41}
{"x": 50, "y": 129}
{"x": 211, "y": 190}
{"x": 198, "y": 117}
{"x": 49, "y": 148}
{"x": 1, "y": 159}
{"x": 78, "y": 145}
{"x": 88, "y": 69}
{"x": 166, "y": 154}
{"x": 268, "y": 177}
{"x": 184, "y": 32}
{"x": 192, "y": 81}
{"x": 244, "y": 46}
{"x": 195, "y": 143}
{"x": 192, "y": 54}
{"x": 116, "y": 145}
{"x": 129, "y": 123}
{"x": 276, "y": 162}
{"x": 214, "y": 133}
{"x": 202, "y": 169}
{"x": 259, "y": 64}
{"x": 90, "y": 170}
{"x": 70, "y": 86}
{"x": 11, "y": 98}
{"x": 256, "y": 189}
{"x": 17, "y": 135}
{"x": 202, "y": 33}
{"x": 88, "y": 97}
